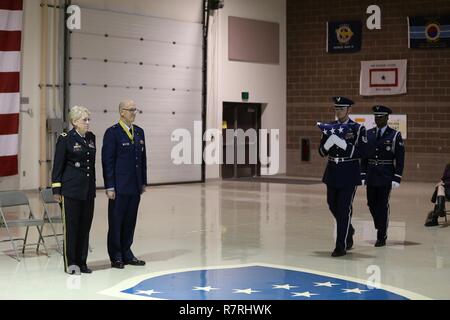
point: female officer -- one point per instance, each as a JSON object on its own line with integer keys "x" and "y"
{"x": 74, "y": 188}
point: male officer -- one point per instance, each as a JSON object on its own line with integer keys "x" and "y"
{"x": 382, "y": 169}
{"x": 342, "y": 175}
{"x": 125, "y": 174}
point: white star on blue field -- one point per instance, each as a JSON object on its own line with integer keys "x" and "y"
{"x": 255, "y": 283}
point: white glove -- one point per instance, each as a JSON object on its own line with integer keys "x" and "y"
{"x": 395, "y": 185}
{"x": 339, "y": 142}
{"x": 329, "y": 143}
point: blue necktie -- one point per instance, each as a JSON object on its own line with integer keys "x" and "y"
{"x": 379, "y": 134}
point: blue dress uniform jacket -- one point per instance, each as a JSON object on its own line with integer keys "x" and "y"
{"x": 73, "y": 174}
{"x": 343, "y": 168}
{"x": 124, "y": 160}
{"x": 385, "y": 158}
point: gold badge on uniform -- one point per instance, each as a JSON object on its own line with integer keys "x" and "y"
{"x": 77, "y": 164}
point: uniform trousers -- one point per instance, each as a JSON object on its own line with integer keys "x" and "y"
{"x": 340, "y": 203}
{"x": 122, "y": 215}
{"x": 378, "y": 202}
{"x": 77, "y": 215}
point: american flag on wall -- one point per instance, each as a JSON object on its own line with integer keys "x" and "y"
{"x": 10, "y": 55}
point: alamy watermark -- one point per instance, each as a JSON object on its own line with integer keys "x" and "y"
{"x": 241, "y": 147}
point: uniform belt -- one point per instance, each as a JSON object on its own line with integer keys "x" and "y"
{"x": 337, "y": 160}
{"x": 380, "y": 162}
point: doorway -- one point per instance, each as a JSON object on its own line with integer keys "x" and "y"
{"x": 243, "y": 116}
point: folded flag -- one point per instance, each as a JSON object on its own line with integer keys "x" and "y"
{"x": 342, "y": 130}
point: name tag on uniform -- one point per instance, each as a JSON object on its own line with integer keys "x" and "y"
{"x": 349, "y": 135}
{"x": 92, "y": 145}
{"x": 125, "y": 144}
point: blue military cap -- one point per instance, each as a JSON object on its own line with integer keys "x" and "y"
{"x": 380, "y": 110}
{"x": 340, "y": 102}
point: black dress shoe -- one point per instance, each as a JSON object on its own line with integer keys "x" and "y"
{"x": 431, "y": 221}
{"x": 117, "y": 265}
{"x": 85, "y": 269}
{"x": 338, "y": 253}
{"x": 135, "y": 262}
{"x": 380, "y": 243}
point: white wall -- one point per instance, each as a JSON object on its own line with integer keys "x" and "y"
{"x": 265, "y": 83}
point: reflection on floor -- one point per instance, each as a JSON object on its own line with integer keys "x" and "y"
{"x": 213, "y": 235}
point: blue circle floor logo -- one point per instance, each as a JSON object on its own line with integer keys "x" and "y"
{"x": 253, "y": 282}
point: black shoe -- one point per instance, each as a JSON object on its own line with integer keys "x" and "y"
{"x": 431, "y": 221}
{"x": 117, "y": 265}
{"x": 135, "y": 262}
{"x": 85, "y": 269}
{"x": 349, "y": 243}
{"x": 380, "y": 243}
{"x": 338, "y": 253}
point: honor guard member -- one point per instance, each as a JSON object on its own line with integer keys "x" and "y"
{"x": 342, "y": 174}
{"x": 124, "y": 163}
{"x": 382, "y": 169}
{"x": 73, "y": 187}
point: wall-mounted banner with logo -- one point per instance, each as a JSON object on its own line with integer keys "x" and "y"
{"x": 429, "y": 32}
{"x": 344, "y": 36}
{"x": 396, "y": 121}
{"x": 383, "y": 77}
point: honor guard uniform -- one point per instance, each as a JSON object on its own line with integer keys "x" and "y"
{"x": 124, "y": 163}
{"x": 342, "y": 174}
{"x": 382, "y": 169}
{"x": 73, "y": 178}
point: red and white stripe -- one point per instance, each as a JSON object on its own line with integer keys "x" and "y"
{"x": 11, "y": 12}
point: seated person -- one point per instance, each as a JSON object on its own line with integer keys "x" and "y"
{"x": 441, "y": 192}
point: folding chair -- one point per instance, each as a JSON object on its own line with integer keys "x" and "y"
{"x": 50, "y": 217}
{"x": 17, "y": 199}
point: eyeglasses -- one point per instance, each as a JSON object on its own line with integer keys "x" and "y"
{"x": 133, "y": 110}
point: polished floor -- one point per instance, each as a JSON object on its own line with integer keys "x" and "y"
{"x": 235, "y": 225}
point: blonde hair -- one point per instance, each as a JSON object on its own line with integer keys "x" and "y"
{"x": 77, "y": 113}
